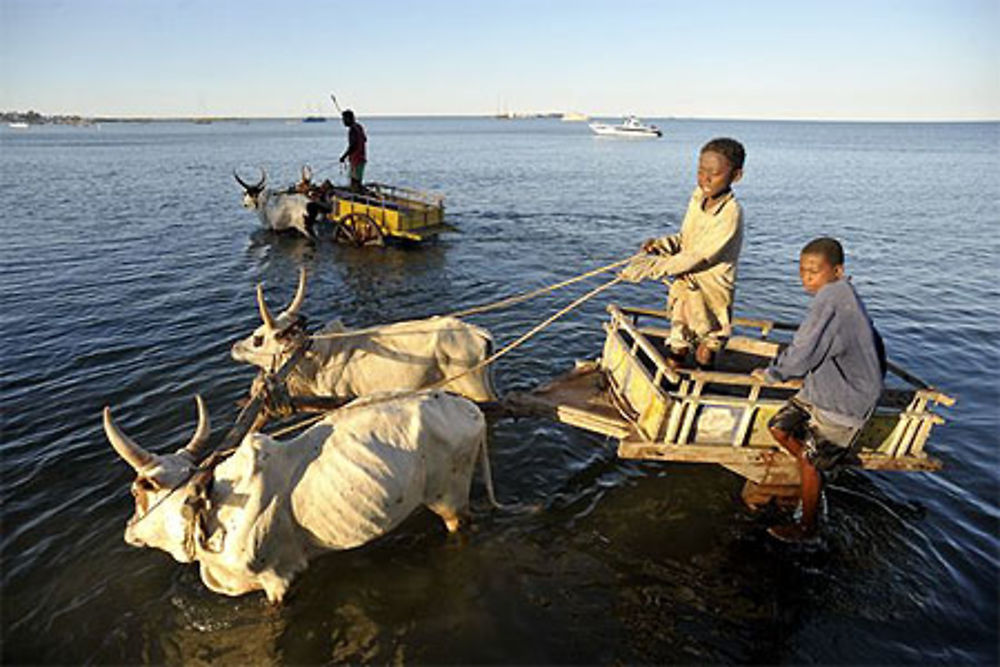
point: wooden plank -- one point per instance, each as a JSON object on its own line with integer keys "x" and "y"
{"x": 758, "y": 456}
{"x": 745, "y": 344}
{"x": 764, "y": 325}
{"x": 755, "y": 346}
{"x": 722, "y": 377}
{"x": 633, "y": 310}
{"x": 578, "y": 398}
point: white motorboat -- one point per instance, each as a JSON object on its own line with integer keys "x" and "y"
{"x": 630, "y": 127}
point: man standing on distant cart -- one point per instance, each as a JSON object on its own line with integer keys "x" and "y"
{"x": 355, "y": 151}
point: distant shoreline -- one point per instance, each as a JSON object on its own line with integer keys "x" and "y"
{"x": 35, "y": 118}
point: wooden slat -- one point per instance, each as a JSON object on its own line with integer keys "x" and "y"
{"x": 722, "y": 377}
{"x": 643, "y": 343}
{"x": 677, "y": 410}
{"x": 759, "y": 456}
{"x": 764, "y": 325}
{"x": 745, "y": 344}
{"x": 690, "y": 410}
{"x": 748, "y": 416}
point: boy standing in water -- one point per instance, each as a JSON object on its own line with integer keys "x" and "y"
{"x": 841, "y": 356}
{"x": 355, "y": 151}
{"x": 701, "y": 257}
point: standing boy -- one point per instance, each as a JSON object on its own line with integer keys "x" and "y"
{"x": 701, "y": 257}
{"x": 841, "y": 356}
{"x": 355, "y": 151}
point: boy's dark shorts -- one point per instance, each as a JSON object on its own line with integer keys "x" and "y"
{"x": 827, "y": 444}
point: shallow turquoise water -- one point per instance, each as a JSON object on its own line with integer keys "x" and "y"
{"x": 129, "y": 269}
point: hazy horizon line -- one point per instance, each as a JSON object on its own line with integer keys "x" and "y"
{"x": 522, "y": 116}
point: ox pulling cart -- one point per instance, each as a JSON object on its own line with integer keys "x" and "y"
{"x": 378, "y": 214}
{"x": 720, "y": 416}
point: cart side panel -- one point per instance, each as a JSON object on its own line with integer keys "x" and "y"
{"x": 634, "y": 385}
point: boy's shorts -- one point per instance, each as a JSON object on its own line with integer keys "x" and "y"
{"x": 827, "y": 444}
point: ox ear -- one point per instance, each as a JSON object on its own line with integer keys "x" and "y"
{"x": 265, "y": 314}
{"x": 300, "y": 294}
{"x": 195, "y": 448}
{"x": 134, "y": 455}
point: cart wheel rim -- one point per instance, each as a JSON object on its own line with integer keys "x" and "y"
{"x": 367, "y": 231}
{"x": 343, "y": 233}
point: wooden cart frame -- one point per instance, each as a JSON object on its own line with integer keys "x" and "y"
{"x": 720, "y": 416}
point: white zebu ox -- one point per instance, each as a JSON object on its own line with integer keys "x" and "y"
{"x": 393, "y": 357}
{"x": 266, "y": 510}
{"x": 278, "y": 211}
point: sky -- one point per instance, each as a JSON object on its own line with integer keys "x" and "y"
{"x": 920, "y": 60}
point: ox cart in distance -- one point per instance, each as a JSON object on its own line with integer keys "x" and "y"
{"x": 386, "y": 213}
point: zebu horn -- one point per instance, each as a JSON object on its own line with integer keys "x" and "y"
{"x": 265, "y": 314}
{"x": 201, "y": 433}
{"x": 240, "y": 181}
{"x": 134, "y": 455}
{"x": 300, "y": 294}
{"x": 307, "y": 173}
{"x": 257, "y": 186}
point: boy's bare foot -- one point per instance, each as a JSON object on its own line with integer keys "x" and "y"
{"x": 704, "y": 356}
{"x": 793, "y": 533}
{"x": 677, "y": 358}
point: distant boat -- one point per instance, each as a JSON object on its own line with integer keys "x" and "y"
{"x": 574, "y": 117}
{"x": 18, "y": 126}
{"x": 630, "y": 127}
{"x": 314, "y": 119}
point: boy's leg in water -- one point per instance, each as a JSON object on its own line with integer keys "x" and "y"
{"x": 810, "y": 486}
{"x": 789, "y": 427}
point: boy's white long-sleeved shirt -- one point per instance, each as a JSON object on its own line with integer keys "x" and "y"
{"x": 705, "y": 251}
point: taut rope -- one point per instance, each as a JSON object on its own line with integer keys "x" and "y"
{"x": 495, "y": 305}
{"x": 485, "y": 362}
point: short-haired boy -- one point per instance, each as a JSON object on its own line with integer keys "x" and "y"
{"x": 841, "y": 356}
{"x": 701, "y": 257}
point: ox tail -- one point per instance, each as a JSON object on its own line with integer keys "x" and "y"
{"x": 484, "y": 454}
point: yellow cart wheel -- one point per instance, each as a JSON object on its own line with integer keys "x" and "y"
{"x": 361, "y": 230}
{"x": 343, "y": 233}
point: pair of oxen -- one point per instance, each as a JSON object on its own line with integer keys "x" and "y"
{"x": 253, "y": 520}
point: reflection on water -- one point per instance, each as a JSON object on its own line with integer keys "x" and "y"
{"x": 134, "y": 300}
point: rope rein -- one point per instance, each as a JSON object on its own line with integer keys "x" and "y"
{"x": 482, "y": 364}
{"x": 495, "y": 305}
{"x": 207, "y": 466}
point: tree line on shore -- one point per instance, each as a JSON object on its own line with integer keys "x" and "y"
{"x": 35, "y": 118}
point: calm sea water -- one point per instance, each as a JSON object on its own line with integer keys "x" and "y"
{"x": 129, "y": 269}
